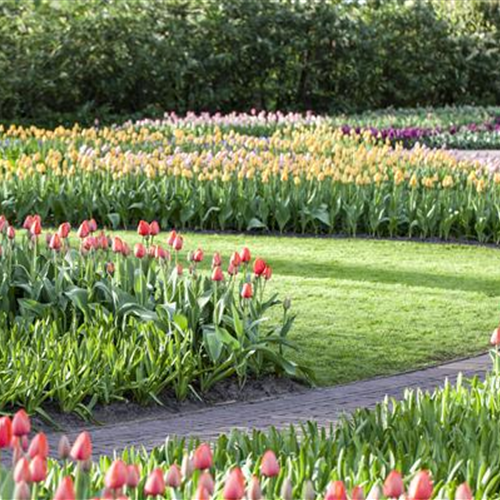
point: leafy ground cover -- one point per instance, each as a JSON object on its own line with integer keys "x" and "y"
{"x": 368, "y": 307}
{"x": 245, "y": 172}
{"x": 441, "y": 445}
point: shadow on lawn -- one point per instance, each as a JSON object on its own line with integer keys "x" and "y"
{"x": 335, "y": 270}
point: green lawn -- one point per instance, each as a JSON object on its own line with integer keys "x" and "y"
{"x": 368, "y": 308}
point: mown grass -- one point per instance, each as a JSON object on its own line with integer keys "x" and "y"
{"x": 371, "y": 307}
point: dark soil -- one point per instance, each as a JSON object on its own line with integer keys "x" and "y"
{"x": 227, "y": 391}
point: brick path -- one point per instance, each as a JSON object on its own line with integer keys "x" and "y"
{"x": 323, "y": 405}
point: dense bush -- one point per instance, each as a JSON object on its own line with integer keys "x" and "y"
{"x": 66, "y": 60}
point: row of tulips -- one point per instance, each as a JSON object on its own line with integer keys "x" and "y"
{"x": 146, "y": 318}
{"x": 304, "y": 177}
{"x": 75, "y": 476}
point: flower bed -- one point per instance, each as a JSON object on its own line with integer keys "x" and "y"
{"x": 304, "y": 177}
{"x": 131, "y": 318}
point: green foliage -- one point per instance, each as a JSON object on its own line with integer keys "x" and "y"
{"x": 62, "y": 60}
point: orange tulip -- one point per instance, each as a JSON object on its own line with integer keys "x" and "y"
{"x": 36, "y": 227}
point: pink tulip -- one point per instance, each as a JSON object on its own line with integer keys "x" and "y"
{"x": 22, "y": 471}
{"x": 65, "y": 490}
{"x": 64, "y": 230}
{"x": 21, "y": 425}
{"x": 139, "y": 250}
{"x": 258, "y": 267}
{"x": 234, "y": 487}
{"x": 11, "y": 233}
{"x": 38, "y": 469}
{"x": 83, "y": 230}
{"x": 154, "y": 228}
{"x": 82, "y": 448}
{"x": 174, "y": 478}
{"x": 39, "y": 446}
{"x": 420, "y": 486}
{"x": 495, "y": 337}
{"x": 216, "y": 260}
{"x": 203, "y": 458}
{"x": 336, "y": 491}
{"x": 393, "y": 485}
{"x": 245, "y": 255}
{"x": 464, "y": 492}
{"x": 155, "y": 484}
{"x": 116, "y": 476}
{"x": 269, "y": 466}
{"x": 247, "y": 291}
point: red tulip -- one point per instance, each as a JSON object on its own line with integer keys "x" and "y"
{"x": 21, "y": 425}
{"x": 393, "y": 485}
{"x": 63, "y": 230}
{"x": 65, "y": 490}
{"x": 171, "y": 238}
{"x": 28, "y": 222}
{"x": 495, "y": 337}
{"x": 139, "y": 250}
{"x": 92, "y": 225}
{"x": 268, "y": 272}
{"x": 258, "y": 267}
{"x": 55, "y": 243}
{"x": 64, "y": 448}
{"x": 117, "y": 245}
{"x": 198, "y": 255}
{"x": 336, "y": 491}
{"x": 234, "y": 487}
{"x": 216, "y": 260}
{"x": 161, "y": 253}
{"x": 133, "y": 475}
{"x": 155, "y": 484}
{"x": 22, "y": 471}
{"x": 36, "y": 227}
{"x": 178, "y": 243}
{"x": 125, "y": 249}
{"x": 11, "y": 233}
{"x": 231, "y": 270}
{"x": 357, "y": 493}
{"x": 235, "y": 259}
{"x": 154, "y": 228}
{"x": 420, "y": 487}
{"x": 269, "y": 466}
{"x": 174, "y": 477}
{"x": 5, "y": 432}
{"x": 39, "y": 446}
{"x": 464, "y": 492}
{"x": 143, "y": 229}
{"x": 116, "y": 476}
{"x": 38, "y": 469}
{"x": 217, "y": 274}
{"x": 245, "y": 255}
{"x": 206, "y": 481}
{"x": 82, "y": 447}
{"x": 83, "y": 230}
{"x": 203, "y": 458}
{"x": 247, "y": 291}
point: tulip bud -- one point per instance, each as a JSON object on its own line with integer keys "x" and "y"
{"x": 110, "y": 268}
{"x": 245, "y": 255}
{"x": 133, "y": 475}
{"x": 83, "y": 230}
{"x": 11, "y": 233}
{"x": 55, "y": 243}
{"x": 258, "y": 267}
{"x": 139, "y": 250}
{"x": 286, "y": 489}
{"x": 357, "y": 493}
{"x": 5, "y": 432}
{"x": 203, "y": 458}
{"x": 464, "y": 492}
{"x": 393, "y": 485}
{"x": 309, "y": 493}
{"x": 21, "y": 425}
{"x": 217, "y": 274}
{"x": 187, "y": 467}
{"x": 235, "y": 259}
{"x": 254, "y": 489}
{"x": 495, "y": 337}
{"x": 155, "y": 484}
{"x": 171, "y": 239}
{"x": 65, "y": 490}
{"x": 63, "y": 230}
{"x": 173, "y": 479}
{"x": 268, "y": 272}
{"x": 38, "y": 469}
{"x": 39, "y": 446}
{"x": 3, "y": 223}
{"x": 22, "y": 491}
{"x": 143, "y": 229}
{"x": 375, "y": 493}
{"x": 92, "y": 225}
{"x": 336, "y": 491}
{"x": 216, "y": 260}
{"x": 178, "y": 243}
{"x": 22, "y": 471}
{"x": 154, "y": 228}
{"x": 247, "y": 291}
{"x": 36, "y": 228}
{"x": 116, "y": 476}
{"x": 82, "y": 447}
{"x": 206, "y": 482}
{"x": 421, "y": 486}
{"x": 269, "y": 466}
{"x": 198, "y": 255}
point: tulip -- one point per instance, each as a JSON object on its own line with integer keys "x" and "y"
{"x": 216, "y": 260}
{"x": 393, "y": 485}
{"x": 375, "y": 493}
{"x": 245, "y": 255}
{"x": 154, "y": 228}
{"x": 55, "y": 243}
{"x": 269, "y": 466}
{"x": 38, "y": 469}
{"x": 22, "y": 491}
{"x": 207, "y": 482}
{"x": 201, "y": 493}
{"x": 117, "y": 245}
{"x": 82, "y": 447}
{"x": 203, "y": 458}
{"x": 155, "y": 484}
{"x": 21, "y": 425}
{"x": 286, "y": 489}
{"x": 178, "y": 243}
{"x": 63, "y": 230}
{"x": 5, "y": 432}
{"x": 11, "y": 233}
{"x": 254, "y": 489}
{"x": 102, "y": 241}
{"x": 258, "y": 267}
{"x": 116, "y": 476}
{"x": 308, "y": 492}
{"x": 36, "y": 228}
{"x": 179, "y": 270}
{"x": 187, "y": 467}
{"x": 247, "y": 291}
{"x": 22, "y": 471}
{"x": 64, "y": 448}
{"x": 125, "y": 250}
{"x": 198, "y": 255}
{"x": 28, "y": 221}
{"x": 83, "y": 230}
{"x": 39, "y": 446}
{"x": 92, "y": 225}
{"x": 336, "y": 491}
{"x": 139, "y": 250}
{"x": 495, "y": 337}
{"x": 3, "y": 223}
{"x": 143, "y": 229}
{"x": 464, "y": 492}
{"x": 357, "y": 493}
{"x": 217, "y": 274}
{"x": 174, "y": 477}
{"x": 110, "y": 268}
{"x": 65, "y": 490}
{"x": 235, "y": 259}
{"x": 133, "y": 475}
{"x": 171, "y": 239}
{"x": 161, "y": 253}
{"x": 48, "y": 237}
{"x": 268, "y": 272}
{"x": 420, "y": 487}
{"x": 234, "y": 487}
